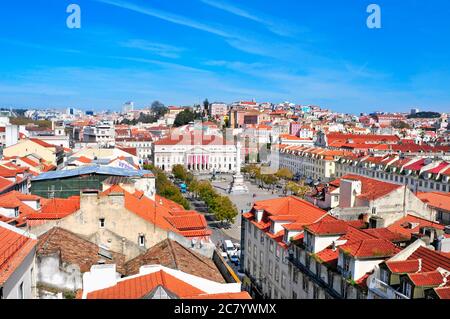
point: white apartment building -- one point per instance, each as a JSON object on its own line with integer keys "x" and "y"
{"x": 102, "y": 134}
{"x": 218, "y": 109}
{"x": 319, "y": 164}
{"x": 143, "y": 145}
{"x": 195, "y": 151}
{"x": 267, "y": 231}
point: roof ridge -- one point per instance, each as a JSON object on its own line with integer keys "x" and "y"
{"x": 173, "y": 253}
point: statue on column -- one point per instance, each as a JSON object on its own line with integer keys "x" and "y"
{"x": 238, "y": 186}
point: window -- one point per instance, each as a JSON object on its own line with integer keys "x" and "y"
{"x": 295, "y": 276}
{"x": 305, "y": 284}
{"x": 374, "y": 210}
{"x": 346, "y": 263}
{"x": 283, "y": 280}
{"x": 406, "y": 288}
{"x": 277, "y": 273}
{"x": 315, "y": 292}
{"x": 318, "y": 268}
{"x": 141, "y": 240}
{"x": 21, "y": 292}
{"x": 270, "y": 267}
{"x": 384, "y": 276}
{"x": 271, "y": 246}
{"x": 101, "y": 222}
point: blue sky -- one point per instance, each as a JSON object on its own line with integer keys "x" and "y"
{"x": 182, "y": 51}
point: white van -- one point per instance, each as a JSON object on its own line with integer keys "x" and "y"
{"x": 228, "y": 247}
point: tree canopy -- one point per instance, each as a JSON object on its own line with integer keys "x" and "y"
{"x": 165, "y": 188}
{"x": 184, "y": 118}
{"x": 158, "y": 109}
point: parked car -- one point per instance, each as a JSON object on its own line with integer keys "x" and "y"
{"x": 234, "y": 259}
{"x": 228, "y": 247}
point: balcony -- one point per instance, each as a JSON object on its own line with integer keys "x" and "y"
{"x": 383, "y": 290}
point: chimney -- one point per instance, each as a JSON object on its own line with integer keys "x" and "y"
{"x": 348, "y": 190}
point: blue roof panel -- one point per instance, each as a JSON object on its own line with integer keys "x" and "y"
{"x": 91, "y": 169}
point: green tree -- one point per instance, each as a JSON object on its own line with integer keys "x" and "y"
{"x": 184, "y": 118}
{"x": 158, "y": 109}
{"x": 224, "y": 209}
{"x": 179, "y": 172}
{"x": 298, "y": 189}
{"x": 206, "y": 105}
{"x": 284, "y": 173}
{"x": 165, "y": 188}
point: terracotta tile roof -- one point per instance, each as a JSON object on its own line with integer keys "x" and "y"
{"x": 236, "y": 295}
{"x": 371, "y": 188}
{"x": 171, "y": 254}
{"x": 436, "y": 200}
{"x": 73, "y": 249}
{"x": 191, "y": 139}
{"x": 403, "y": 266}
{"x": 369, "y": 248}
{"x": 41, "y": 142}
{"x": 431, "y": 259}
{"x": 84, "y": 159}
{"x": 443, "y": 292}
{"x": 427, "y": 279}
{"x": 306, "y": 212}
{"x": 384, "y": 233}
{"x": 13, "y": 200}
{"x": 5, "y": 184}
{"x": 417, "y": 165}
{"x": 62, "y": 205}
{"x": 439, "y": 168}
{"x": 138, "y": 287}
{"x": 361, "y": 138}
{"x": 329, "y": 256}
{"x": 336, "y": 227}
{"x": 14, "y": 248}
{"x": 403, "y": 225}
{"x": 4, "y": 172}
{"x": 170, "y": 217}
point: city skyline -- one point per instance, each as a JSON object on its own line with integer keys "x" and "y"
{"x": 307, "y": 53}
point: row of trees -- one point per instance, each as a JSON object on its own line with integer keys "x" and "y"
{"x": 165, "y": 188}
{"x": 220, "y": 206}
{"x": 283, "y": 176}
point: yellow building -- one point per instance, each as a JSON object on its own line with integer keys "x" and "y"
{"x": 52, "y": 154}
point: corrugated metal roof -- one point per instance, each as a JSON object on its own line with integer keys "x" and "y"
{"x": 91, "y": 169}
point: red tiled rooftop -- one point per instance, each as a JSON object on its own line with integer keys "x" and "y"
{"x": 336, "y": 227}
{"x": 436, "y": 200}
{"x": 14, "y": 248}
{"x": 443, "y": 292}
{"x": 371, "y": 188}
{"x": 164, "y": 215}
{"x": 402, "y": 226}
{"x": 141, "y": 285}
{"x": 427, "y": 279}
{"x": 369, "y": 248}
{"x": 403, "y": 266}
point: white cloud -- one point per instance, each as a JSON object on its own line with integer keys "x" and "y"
{"x": 164, "y": 50}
